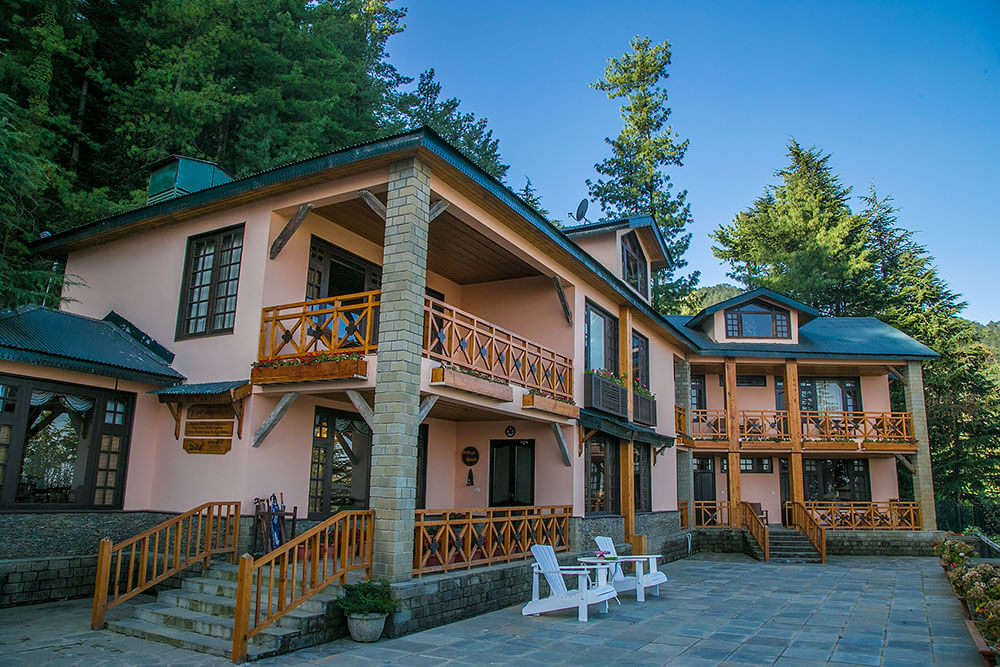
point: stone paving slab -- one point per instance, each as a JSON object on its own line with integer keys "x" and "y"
{"x": 715, "y": 610}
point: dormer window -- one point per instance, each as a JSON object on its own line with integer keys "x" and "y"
{"x": 634, "y": 264}
{"x": 757, "y": 320}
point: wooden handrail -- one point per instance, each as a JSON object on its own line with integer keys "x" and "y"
{"x": 872, "y": 426}
{"x": 682, "y": 507}
{"x": 709, "y": 424}
{"x": 680, "y": 420}
{"x": 275, "y": 583}
{"x": 712, "y": 513}
{"x": 335, "y": 325}
{"x": 799, "y": 516}
{"x": 764, "y": 425}
{"x": 195, "y": 536}
{"x": 752, "y": 523}
{"x": 456, "y": 337}
{"x": 889, "y": 515}
{"x": 450, "y": 539}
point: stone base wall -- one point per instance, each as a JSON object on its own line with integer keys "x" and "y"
{"x": 583, "y": 530}
{"x": 657, "y": 526}
{"x": 42, "y": 534}
{"x": 882, "y": 542}
{"x": 27, "y": 580}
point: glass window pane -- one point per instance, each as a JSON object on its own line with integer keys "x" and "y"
{"x": 53, "y": 466}
{"x": 757, "y": 325}
{"x": 595, "y": 341}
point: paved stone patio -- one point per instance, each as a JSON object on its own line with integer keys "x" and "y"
{"x": 716, "y": 609}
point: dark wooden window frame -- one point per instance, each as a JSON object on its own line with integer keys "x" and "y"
{"x": 183, "y": 316}
{"x": 332, "y": 414}
{"x": 640, "y": 347}
{"x": 698, "y": 393}
{"x": 321, "y": 253}
{"x": 750, "y": 380}
{"x": 807, "y": 387}
{"x": 527, "y": 443}
{"x": 781, "y": 321}
{"x": 756, "y": 465}
{"x": 811, "y": 468}
{"x": 643, "y": 477}
{"x": 610, "y": 337}
{"x": 635, "y": 269}
{"x": 612, "y": 458}
{"x": 15, "y": 451}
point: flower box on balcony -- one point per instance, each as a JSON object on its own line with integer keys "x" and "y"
{"x": 347, "y": 369}
{"x": 546, "y": 404}
{"x": 644, "y": 410}
{"x": 449, "y": 377}
{"x": 605, "y": 395}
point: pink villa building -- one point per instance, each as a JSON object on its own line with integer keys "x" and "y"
{"x": 388, "y": 334}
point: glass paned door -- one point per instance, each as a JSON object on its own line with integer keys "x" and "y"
{"x": 512, "y": 473}
{"x": 341, "y": 463}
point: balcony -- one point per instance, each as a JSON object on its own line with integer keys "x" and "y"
{"x": 817, "y": 426}
{"x": 344, "y": 326}
{"x": 604, "y": 394}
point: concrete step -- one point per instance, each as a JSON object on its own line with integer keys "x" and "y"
{"x": 225, "y": 588}
{"x": 795, "y": 561}
{"x": 213, "y": 626}
{"x": 184, "y": 639}
{"x": 214, "y": 605}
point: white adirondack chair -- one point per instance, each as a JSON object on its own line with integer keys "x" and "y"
{"x": 647, "y": 574}
{"x": 588, "y": 592}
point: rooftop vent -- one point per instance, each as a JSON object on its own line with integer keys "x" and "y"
{"x": 176, "y": 176}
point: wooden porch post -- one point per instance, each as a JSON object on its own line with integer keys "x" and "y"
{"x": 795, "y": 478}
{"x": 627, "y": 487}
{"x": 733, "y": 429}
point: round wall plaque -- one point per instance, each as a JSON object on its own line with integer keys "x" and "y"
{"x": 510, "y": 431}
{"x": 470, "y": 456}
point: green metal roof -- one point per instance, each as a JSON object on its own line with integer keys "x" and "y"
{"x": 55, "y": 338}
{"x": 830, "y": 337}
{"x": 200, "y": 389}
{"x": 622, "y": 428}
{"x": 750, "y": 296}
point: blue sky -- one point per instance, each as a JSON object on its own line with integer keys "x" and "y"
{"x": 905, "y": 96}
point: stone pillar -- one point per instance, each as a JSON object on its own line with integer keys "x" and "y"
{"x": 923, "y": 481}
{"x": 397, "y": 378}
{"x": 682, "y": 390}
{"x": 685, "y": 482}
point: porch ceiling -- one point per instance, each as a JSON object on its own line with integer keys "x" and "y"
{"x": 455, "y": 250}
{"x": 805, "y": 370}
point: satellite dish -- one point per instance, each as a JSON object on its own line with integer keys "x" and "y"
{"x": 581, "y": 209}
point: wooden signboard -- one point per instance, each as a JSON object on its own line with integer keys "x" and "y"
{"x": 207, "y": 445}
{"x": 223, "y": 429}
{"x": 210, "y": 411}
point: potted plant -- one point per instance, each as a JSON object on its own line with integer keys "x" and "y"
{"x": 367, "y": 605}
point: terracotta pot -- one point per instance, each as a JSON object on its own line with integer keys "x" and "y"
{"x": 366, "y": 627}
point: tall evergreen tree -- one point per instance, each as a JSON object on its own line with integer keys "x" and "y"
{"x": 634, "y": 179}
{"x": 471, "y": 135}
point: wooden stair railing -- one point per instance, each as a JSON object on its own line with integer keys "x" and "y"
{"x": 750, "y": 521}
{"x": 161, "y": 552}
{"x": 283, "y": 579}
{"x": 807, "y": 523}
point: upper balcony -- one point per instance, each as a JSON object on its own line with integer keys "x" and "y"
{"x": 345, "y": 327}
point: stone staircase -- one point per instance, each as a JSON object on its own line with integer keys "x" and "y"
{"x": 788, "y": 545}
{"x": 199, "y": 617}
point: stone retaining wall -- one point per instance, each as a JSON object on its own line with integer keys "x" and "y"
{"x": 25, "y": 580}
{"x": 882, "y": 542}
{"x": 583, "y": 530}
{"x": 41, "y": 534}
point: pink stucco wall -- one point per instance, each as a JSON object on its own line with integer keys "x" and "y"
{"x": 763, "y": 488}
{"x": 885, "y": 483}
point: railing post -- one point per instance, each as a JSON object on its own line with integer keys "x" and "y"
{"x": 236, "y": 531}
{"x": 241, "y": 614}
{"x": 208, "y": 539}
{"x": 101, "y": 585}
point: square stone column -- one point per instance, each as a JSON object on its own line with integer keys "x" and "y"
{"x": 682, "y": 390}
{"x": 923, "y": 480}
{"x": 397, "y": 377}
{"x": 685, "y": 482}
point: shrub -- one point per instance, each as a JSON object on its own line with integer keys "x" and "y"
{"x": 367, "y": 597}
{"x": 954, "y": 553}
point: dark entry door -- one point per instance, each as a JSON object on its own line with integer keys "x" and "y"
{"x": 512, "y": 473}
{"x": 704, "y": 478}
{"x": 341, "y": 463}
{"x": 786, "y": 490}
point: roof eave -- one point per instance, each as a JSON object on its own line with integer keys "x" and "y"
{"x": 35, "y": 358}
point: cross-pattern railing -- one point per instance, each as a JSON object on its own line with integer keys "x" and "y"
{"x": 764, "y": 425}
{"x": 461, "y": 339}
{"x": 680, "y": 420}
{"x": 450, "y": 539}
{"x": 271, "y": 586}
{"x": 340, "y": 324}
{"x": 710, "y": 513}
{"x": 134, "y": 565}
{"x": 890, "y": 515}
{"x": 871, "y": 426}
{"x": 708, "y": 425}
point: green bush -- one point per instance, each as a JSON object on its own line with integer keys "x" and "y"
{"x": 367, "y": 597}
{"x": 954, "y": 553}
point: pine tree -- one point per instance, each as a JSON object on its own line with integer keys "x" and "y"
{"x": 634, "y": 180}
{"x": 531, "y": 197}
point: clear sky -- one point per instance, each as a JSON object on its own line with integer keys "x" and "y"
{"x": 905, "y": 95}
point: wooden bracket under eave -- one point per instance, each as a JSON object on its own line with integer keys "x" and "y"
{"x": 237, "y": 397}
{"x": 234, "y": 397}
{"x": 289, "y": 230}
{"x": 584, "y": 437}
{"x": 176, "y": 410}
{"x": 567, "y": 311}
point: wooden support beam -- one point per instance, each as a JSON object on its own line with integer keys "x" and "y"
{"x": 625, "y": 354}
{"x": 733, "y": 428}
{"x": 361, "y": 405}
{"x": 373, "y": 203}
{"x": 627, "y": 486}
{"x": 272, "y": 419}
{"x": 238, "y": 396}
{"x": 437, "y": 209}
{"x": 906, "y": 462}
{"x": 561, "y": 441}
{"x": 176, "y": 410}
{"x": 567, "y": 311}
{"x": 584, "y": 437}
{"x": 425, "y": 407}
{"x": 347, "y": 448}
{"x": 793, "y": 405}
{"x": 290, "y": 227}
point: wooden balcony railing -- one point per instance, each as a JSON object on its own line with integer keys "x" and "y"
{"x": 890, "y": 515}
{"x": 709, "y": 425}
{"x": 749, "y": 520}
{"x": 871, "y": 426}
{"x": 802, "y": 518}
{"x": 335, "y": 325}
{"x": 154, "y": 555}
{"x": 461, "y": 339}
{"x": 450, "y": 539}
{"x": 349, "y": 323}
{"x": 764, "y": 425}
{"x": 682, "y": 508}
{"x": 680, "y": 420}
{"x": 711, "y": 513}
{"x": 283, "y": 579}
